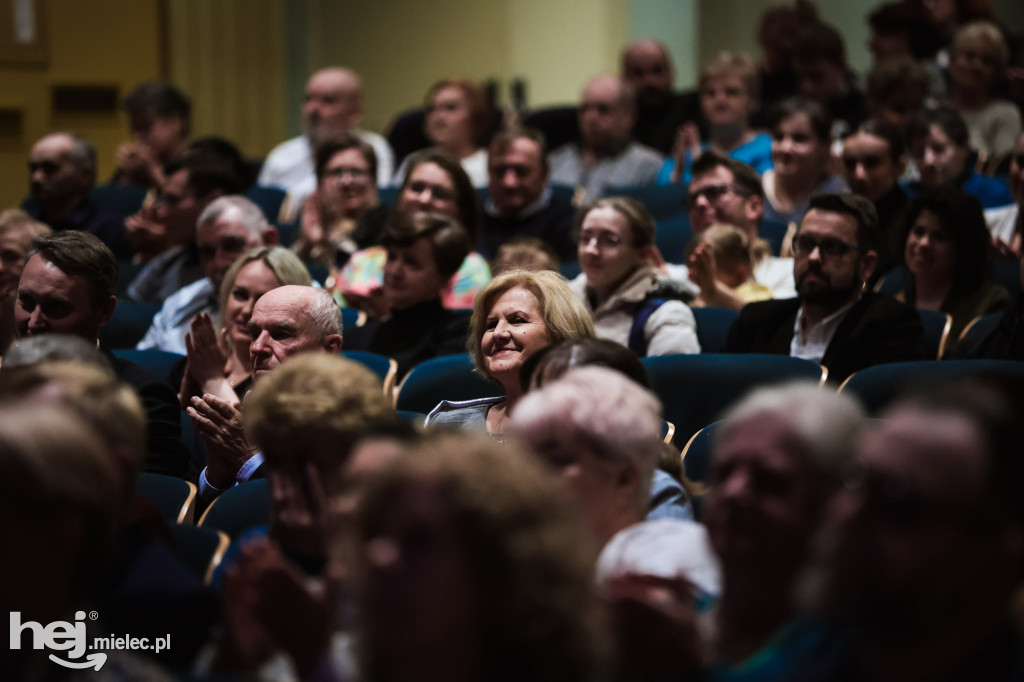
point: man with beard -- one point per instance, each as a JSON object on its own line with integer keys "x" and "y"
{"x": 832, "y": 321}
{"x": 647, "y": 67}
{"x": 332, "y": 108}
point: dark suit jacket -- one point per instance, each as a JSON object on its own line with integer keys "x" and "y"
{"x": 165, "y": 453}
{"x": 878, "y": 329}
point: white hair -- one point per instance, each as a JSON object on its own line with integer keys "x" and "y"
{"x": 827, "y": 423}
{"x": 325, "y": 313}
{"x": 249, "y": 214}
{"x": 604, "y": 408}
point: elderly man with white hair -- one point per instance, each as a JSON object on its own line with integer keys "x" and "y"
{"x": 227, "y": 228}
{"x": 777, "y": 461}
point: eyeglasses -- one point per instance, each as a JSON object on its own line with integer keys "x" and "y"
{"x": 605, "y": 240}
{"x": 713, "y": 193}
{"x": 804, "y": 245}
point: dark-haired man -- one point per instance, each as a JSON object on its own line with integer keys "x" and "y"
{"x": 832, "y": 321}
{"x": 521, "y": 203}
{"x": 165, "y": 232}
{"x": 67, "y": 287}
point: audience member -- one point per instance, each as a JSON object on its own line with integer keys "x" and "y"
{"x": 165, "y": 231}
{"x": 17, "y": 230}
{"x": 977, "y": 64}
{"x": 67, "y": 287}
{"x": 670, "y": 490}
{"x": 62, "y": 170}
{"x": 946, "y": 254}
{"x": 160, "y": 116}
{"x": 901, "y": 31}
{"x": 515, "y": 315}
{"x": 458, "y": 122}
{"x": 896, "y": 90}
{"x": 505, "y": 590}
{"x": 218, "y": 354}
{"x": 227, "y": 228}
{"x": 724, "y": 190}
{"x": 143, "y": 585}
{"x": 423, "y": 252}
{"x": 832, "y": 321}
{"x": 629, "y": 300}
{"x": 436, "y": 183}
{"x": 344, "y": 214}
{"x": 923, "y": 555}
{"x": 60, "y": 517}
{"x": 823, "y": 75}
{"x": 598, "y": 430}
{"x": 528, "y": 253}
{"x": 801, "y": 135}
{"x": 285, "y": 321}
{"x": 332, "y": 107}
{"x": 721, "y": 263}
{"x": 647, "y": 67}
{"x": 777, "y": 28}
{"x": 520, "y": 201}
{"x": 606, "y": 155}
{"x": 728, "y": 99}
{"x": 306, "y": 417}
{"x": 873, "y": 161}
{"x": 778, "y": 459}
{"x": 938, "y": 142}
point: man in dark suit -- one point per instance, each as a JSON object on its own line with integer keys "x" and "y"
{"x": 832, "y": 320}
{"x": 67, "y": 287}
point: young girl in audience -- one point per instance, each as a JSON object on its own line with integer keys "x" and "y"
{"x": 529, "y": 253}
{"x": 721, "y": 264}
{"x": 729, "y": 96}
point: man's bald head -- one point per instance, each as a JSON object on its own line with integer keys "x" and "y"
{"x": 647, "y": 67}
{"x": 334, "y": 103}
{"x": 289, "y": 320}
{"x": 607, "y": 113}
{"x": 62, "y": 169}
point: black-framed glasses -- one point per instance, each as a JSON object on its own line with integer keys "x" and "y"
{"x": 713, "y": 193}
{"x": 829, "y": 247}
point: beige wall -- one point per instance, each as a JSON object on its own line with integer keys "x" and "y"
{"x": 228, "y": 55}
{"x": 400, "y": 47}
{"x": 100, "y": 42}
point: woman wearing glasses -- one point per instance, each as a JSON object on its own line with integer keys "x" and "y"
{"x": 630, "y": 301}
{"x": 801, "y": 133}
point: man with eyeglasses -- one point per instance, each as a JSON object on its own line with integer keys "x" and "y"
{"x": 724, "y": 190}
{"x": 832, "y": 321}
{"x": 923, "y": 547}
{"x": 228, "y": 228}
{"x": 164, "y": 231}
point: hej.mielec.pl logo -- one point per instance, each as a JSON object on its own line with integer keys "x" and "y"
{"x": 71, "y": 637}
